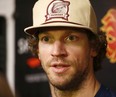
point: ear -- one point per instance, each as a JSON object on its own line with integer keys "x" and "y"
{"x": 93, "y": 53}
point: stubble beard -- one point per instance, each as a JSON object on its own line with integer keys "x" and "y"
{"x": 76, "y": 83}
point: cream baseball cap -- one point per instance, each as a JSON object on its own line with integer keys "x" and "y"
{"x": 63, "y": 13}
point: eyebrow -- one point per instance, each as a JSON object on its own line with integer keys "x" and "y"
{"x": 67, "y": 31}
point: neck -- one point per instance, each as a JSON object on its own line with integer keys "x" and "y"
{"x": 89, "y": 88}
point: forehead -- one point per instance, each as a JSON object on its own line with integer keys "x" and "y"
{"x": 61, "y": 29}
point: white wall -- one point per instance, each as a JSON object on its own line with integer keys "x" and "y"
{"x": 7, "y": 8}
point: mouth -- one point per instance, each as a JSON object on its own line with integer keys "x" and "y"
{"x": 60, "y": 68}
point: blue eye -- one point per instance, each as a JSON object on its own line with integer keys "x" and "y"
{"x": 72, "y": 38}
{"x": 45, "y": 39}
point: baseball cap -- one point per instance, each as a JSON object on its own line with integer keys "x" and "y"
{"x": 63, "y": 13}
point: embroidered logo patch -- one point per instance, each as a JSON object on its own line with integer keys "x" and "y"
{"x": 58, "y": 9}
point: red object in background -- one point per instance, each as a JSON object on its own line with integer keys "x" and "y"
{"x": 33, "y": 62}
{"x": 109, "y": 27}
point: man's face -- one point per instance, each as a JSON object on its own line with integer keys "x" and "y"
{"x": 66, "y": 57}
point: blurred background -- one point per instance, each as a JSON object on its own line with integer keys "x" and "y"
{"x": 22, "y": 70}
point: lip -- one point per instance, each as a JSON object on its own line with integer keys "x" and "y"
{"x": 59, "y": 68}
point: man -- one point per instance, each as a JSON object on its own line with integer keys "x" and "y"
{"x": 64, "y": 37}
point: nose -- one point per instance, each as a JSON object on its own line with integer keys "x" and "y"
{"x": 58, "y": 49}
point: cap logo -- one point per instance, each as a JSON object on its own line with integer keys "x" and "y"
{"x": 58, "y": 9}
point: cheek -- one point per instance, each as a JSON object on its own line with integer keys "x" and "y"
{"x": 80, "y": 55}
{"x": 78, "y": 51}
{"x": 44, "y": 52}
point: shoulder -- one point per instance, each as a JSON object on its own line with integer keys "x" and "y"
{"x": 105, "y": 92}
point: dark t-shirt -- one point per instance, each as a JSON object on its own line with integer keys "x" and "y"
{"x": 105, "y": 92}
